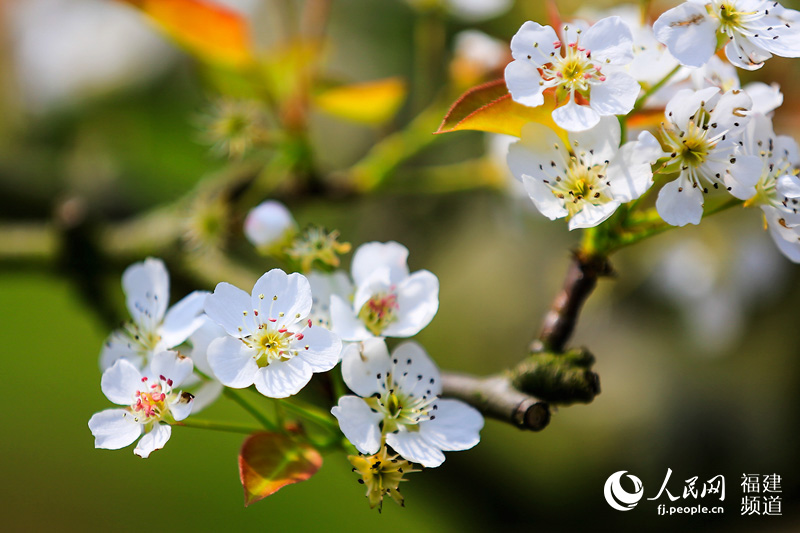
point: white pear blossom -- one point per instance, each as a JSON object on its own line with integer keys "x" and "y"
{"x": 398, "y": 397}
{"x": 270, "y": 343}
{"x": 205, "y": 391}
{"x": 269, "y": 224}
{"x": 778, "y": 187}
{"x": 153, "y": 328}
{"x": 701, "y": 134}
{"x": 151, "y": 403}
{"x": 388, "y": 301}
{"x": 754, "y": 31}
{"x": 574, "y": 65}
{"x": 588, "y": 180}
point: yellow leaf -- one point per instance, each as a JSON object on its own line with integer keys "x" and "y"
{"x": 211, "y": 32}
{"x": 270, "y": 461}
{"x": 372, "y": 102}
{"x": 489, "y": 107}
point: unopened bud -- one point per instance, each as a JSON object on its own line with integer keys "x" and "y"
{"x": 269, "y": 225}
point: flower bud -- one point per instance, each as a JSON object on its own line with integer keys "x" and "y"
{"x": 269, "y": 225}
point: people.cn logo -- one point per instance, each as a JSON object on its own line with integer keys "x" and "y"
{"x": 619, "y": 498}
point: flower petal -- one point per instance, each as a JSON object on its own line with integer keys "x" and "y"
{"x": 121, "y": 382}
{"x": 413, "y": 447}
{"x": 543, "y": 198}
{"x": 359, "y": 423}
{"x": 120, "y": 346}
{"x": 417, "y": 304}
{"x": 153, "y": 440}
{"x": 374, "y": 255}
{"x": 679, "y": 203}
{"x": 535, "y": 43}
{"x": 456, "y": 426}
{"x": 229, "y": 307}
{"x": 788, "y": 185}
{"x": 610, "y": 41}
{"x": 324, "y": 348}
{"x": 766, "y": 98}
{"x": 616, "y": 95}
{"x": 146, "y": 287}
{"x": 286, "y": 298}
{"x": 689, "y": 33}
{"x": 114, "y": 429}
{"x": 630, "y": 173}
{"x": 686, "y": 102}
{"x": 201, "y": 339}
{"x": 182, "y": 406}
{"x": 232, "y": 362}
{"x": 598, "y": 144}
{"x": 362, "y": 363}
{"x": 206, "y": 394}
{"x": 415, "y": 370}
{"x": 181, "y": 320}
{"x": 523, "y": 82}
{"x": 172, "y": 366}
{"x": 281, "y": 379}
{"x": 574, "y": 117}
{"x": 345, "y": 323}
{"x": 592, "y": 215}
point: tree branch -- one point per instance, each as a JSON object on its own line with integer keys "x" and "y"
{"x": 495, "y": 397}
{"x": 560, "y": 321}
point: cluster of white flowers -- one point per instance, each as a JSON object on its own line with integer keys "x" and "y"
{"x": 714, "y": 135}
{"x": 274, "y": 339}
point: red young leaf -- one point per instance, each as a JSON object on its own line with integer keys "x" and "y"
{"x": 270, "y": 461}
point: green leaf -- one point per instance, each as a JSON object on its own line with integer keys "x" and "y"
{"x": 270, "y": 461}
{"x": 489, "y": 107}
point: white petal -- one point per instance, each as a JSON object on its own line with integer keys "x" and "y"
{"x": 534, "y": 151}
{"x": 182, "y": 319}
{"x": 745, "y": 172}
{"x": 114, "y": 429}
{"x": 592, "y": 215}
{"x": 365, "y": 366}
{"x": 324, "y": 348}
{"x": 413, "y": 447}
{"x": 689, "y": 33}
{"x": 182, "y": 406}
{"x": 378, "y": 282}
{"x": 121, "y": 382}
{"x": 229, "y": 307}
{"x": 153, "y": 440}
{"x": 374, "y": 255}
{"x": 536, "y": 41}
{"x": 746, "y": 54}
{"x": 574, "y": 117}
{"x": 543, "y": 198}
{"x": 788, "y": 185}
{"x": 417, "y": 303}
{"x": 120, "y": 346}
{"x": 766, "y": 98}
{"x": 630, "y": 173}
{"x": 456, "y": 426}
{"x": 522, "y": 79}
{"x": 679, "y": 203}
{"x": 686, "y": 102}
{"x": 287, "y": 294}
{"x": 232, "y": 362}
{"x": 282, "y": 379}
{"x": 172, "y": 366}
{"x": 610, "y": 41}
{"x": 146, "y": 287}
{"x": 415, "y": 371}
{"x": 201, "y": 340}
{"x": 598, "y": 144}
{"x": 729, "y": 113}
{"x": 359, "y": 423}
{"x": 791, "y": 249}
{"x": 616, "y": 95}
{"x": 345, "y": 322}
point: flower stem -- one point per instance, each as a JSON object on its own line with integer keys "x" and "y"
{"x": 250, "y": 408}
{"x": 217, "y": 426}
{"x": 311, "y": 413}
{"x": 653, "y": 89}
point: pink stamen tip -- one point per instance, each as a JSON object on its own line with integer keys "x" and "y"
{"x": 163, "y": 396}
{"x": 573, "y": 45}
{"x": 282, "y": 330}
{"x": 273, "y": 319}
{"x": 587, "y": 76}
{"x": 309, "y": 322}
{"x": 153, "y": 386}
{"x": 162, "y": 378}
{"x": 144, "y": 379}
{"x": 556, "y": 44}
{"x": 602, "y": 78}
{"x": 255, "y": 312}
{"x": 169, "y": 382}
{"x": 558, "y": 74}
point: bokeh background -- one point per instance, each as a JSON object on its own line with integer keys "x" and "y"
{"x": 696, "y": 338}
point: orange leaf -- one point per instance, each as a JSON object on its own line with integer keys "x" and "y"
{"x": 489, "y": 107}
{"x": 209, "y": 31}
{"x": 270, "y": 461}
{"x": 372, "y": 102}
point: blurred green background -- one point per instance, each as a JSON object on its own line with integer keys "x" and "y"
{"x": 695, "y": 339}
